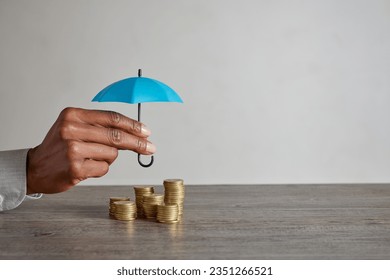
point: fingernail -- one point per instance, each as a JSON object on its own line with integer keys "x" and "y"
{"x": 150, "y": 148}
{"x": 145, "y": 131}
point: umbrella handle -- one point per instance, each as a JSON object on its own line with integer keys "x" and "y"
{"x": 139, "y": 119}
{"x": 145, "y": 165}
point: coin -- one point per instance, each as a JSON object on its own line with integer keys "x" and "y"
{"x": 150, "y": 202}
{"x": 166, "y": 208}
{"x": 125, "y": 210}
{"x": 111, "y": 207}
{"x": 140, "y": 191}
{"x": 167, "y": 213}
{"x": 174, "y": 192}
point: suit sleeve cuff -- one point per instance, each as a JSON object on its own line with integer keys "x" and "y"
{"x": 12, "y": 178}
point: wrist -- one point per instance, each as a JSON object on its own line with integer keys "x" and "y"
{"x": 29, "y": 173}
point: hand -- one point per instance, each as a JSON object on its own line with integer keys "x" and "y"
{"x": 82, "y": 144}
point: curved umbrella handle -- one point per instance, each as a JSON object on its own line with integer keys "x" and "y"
{"x": 139, "y": 119}
{"x": 145, "y": 165}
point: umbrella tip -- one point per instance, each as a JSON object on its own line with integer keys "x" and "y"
{"x": 139, "y": 72}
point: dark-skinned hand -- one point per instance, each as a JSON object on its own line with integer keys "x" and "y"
{"x": 82, "y": 144}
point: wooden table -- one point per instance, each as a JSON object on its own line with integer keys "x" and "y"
{"x": 220, "y": 222}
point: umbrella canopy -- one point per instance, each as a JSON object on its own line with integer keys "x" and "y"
{"x": 137, "y": 90}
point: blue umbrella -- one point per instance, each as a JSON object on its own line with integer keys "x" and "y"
{"x": 138, "y": 90}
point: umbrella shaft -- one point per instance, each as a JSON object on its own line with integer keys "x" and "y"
{"x": 139, "y": 112}
{"x": 139, "y": 156}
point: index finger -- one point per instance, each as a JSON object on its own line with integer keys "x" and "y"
{"x": 107, "y": 119}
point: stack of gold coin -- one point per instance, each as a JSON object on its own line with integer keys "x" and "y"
{"x": 168, "y": 213}
{"x": 140, "y": 191}
{"x": 111, "y": 208}
{"x": 174, "y": 193}
{"x": 125, "y": 210}
{"x": 150, "y": 203}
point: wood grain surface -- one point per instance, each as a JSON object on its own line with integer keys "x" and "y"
{"x": 220, "y": 222}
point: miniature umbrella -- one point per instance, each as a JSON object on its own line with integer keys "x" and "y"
{"x": 138, "y": 90}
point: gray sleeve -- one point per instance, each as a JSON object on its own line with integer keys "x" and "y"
{"x": 12, "y": 178}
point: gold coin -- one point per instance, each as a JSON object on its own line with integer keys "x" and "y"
{"x": 167, "y": 213}
{"x": 167, "y": 207}
{"x": 169, "y": 222}
{"x": 119, "y": 199}
{"x": 173, "y": 182}
{"x": 138, "y": 189}
{"x": 174, "y": 193}
{"x": 112, "y": 206}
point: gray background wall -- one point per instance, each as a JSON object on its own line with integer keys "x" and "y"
{"x": 274, "y": 91}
